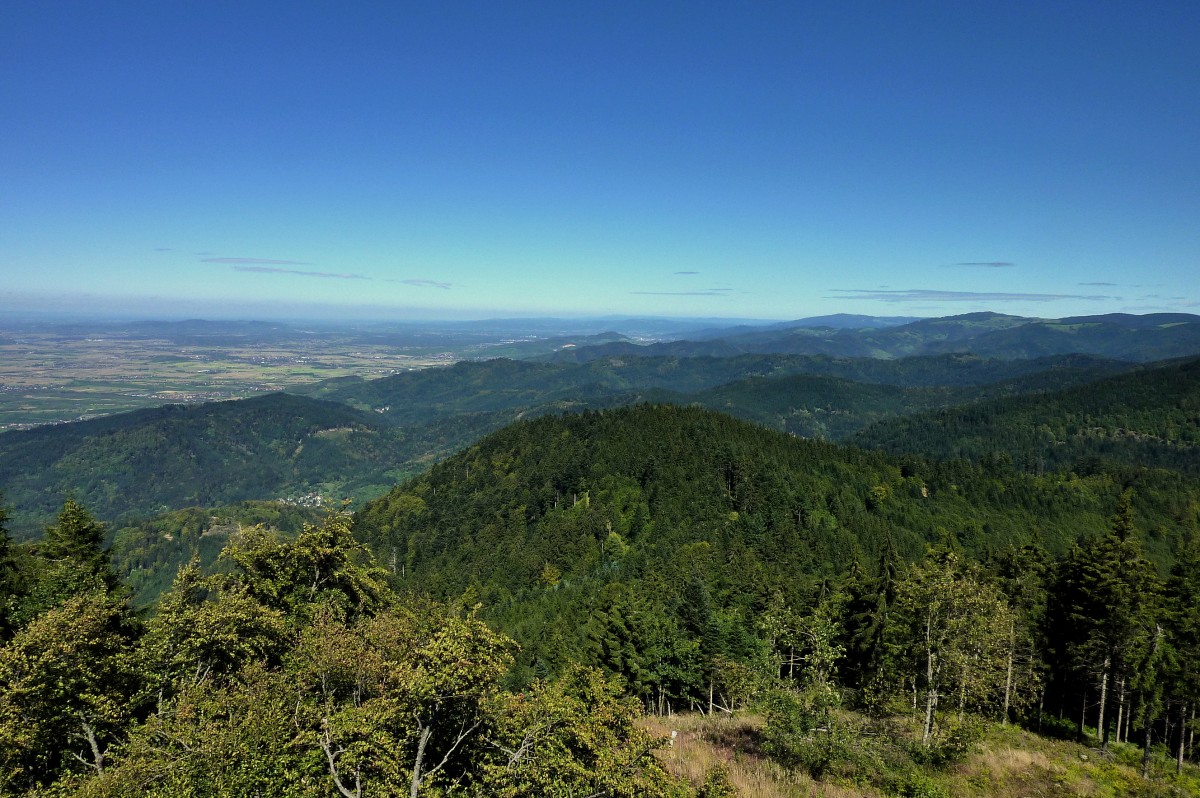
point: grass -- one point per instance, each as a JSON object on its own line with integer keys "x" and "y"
{"x": 1008, "y": 762}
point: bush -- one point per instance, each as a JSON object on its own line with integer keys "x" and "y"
{"x": 915, "y": 784}
{"x": 717, "y": 784}
{"x": 949, "y": 747}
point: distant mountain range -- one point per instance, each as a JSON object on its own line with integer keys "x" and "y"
{"x": 1119, "y": 336}
{"x": 357, "y": 437}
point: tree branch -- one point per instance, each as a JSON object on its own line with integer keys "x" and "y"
{"x": 326, "y": 743}
{"x": 89, "y": 734}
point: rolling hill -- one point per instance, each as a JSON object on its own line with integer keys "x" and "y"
{"x": 1117, "y": 336}
{"x": 1146, "y": 418}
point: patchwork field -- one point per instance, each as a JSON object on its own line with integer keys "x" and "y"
{"x": 50, "y": 376}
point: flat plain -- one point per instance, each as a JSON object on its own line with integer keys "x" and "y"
{"x": 51, "y": 375}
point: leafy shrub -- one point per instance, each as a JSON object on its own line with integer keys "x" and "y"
{"x": 915, "y": 784}
{"x": 717, "y": 784}
{"x": 949, "y": 747}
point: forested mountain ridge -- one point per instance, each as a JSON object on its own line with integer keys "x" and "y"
{"x": 537, "y": 518}
{"x": 1149, "y": 418}
{"x": 1119, "y": 336}
{"x": 149, "y": 461}
{"x": 143, "y": 463}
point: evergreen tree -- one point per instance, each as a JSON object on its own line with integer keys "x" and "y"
{"x": 8, "y": 580}
{"x": 1023, "y": 575}
{"x": 77, "y": 538}
{"x": 1106, "y": 612}
{"x": 71, "y": 561}
{"x": 1182, "y": 621}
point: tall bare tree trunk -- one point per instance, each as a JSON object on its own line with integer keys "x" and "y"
{"x": 1192, "y": 734}
{"x": 1182, "y": 737}
{"x": 930, "y": 689}
{"x": 420, "y": 760}
{"x": 1083, "y": 715}
{"x": 1101, "y": 728}
{"x": 1120, "y": 706}
{"x": 1012, "y": 646}
{"x": 930, "y": 708}
{"x": 1146, "y": 748}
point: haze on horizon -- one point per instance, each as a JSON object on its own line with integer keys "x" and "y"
{"x": 471, "y": 160}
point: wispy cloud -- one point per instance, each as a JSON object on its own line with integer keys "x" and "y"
{"x": 701, "y": 292}
{"x": 277, "y": 270}
{"x": 262, "y": 261}
{"x": 425, "y": 283}
{"x": 162, "y": 249}
{"x": 687, "y": 272}
{"x": 984, "y": 264}
{"x": 924, "y": 295}
{"x": 1100, "y": 285}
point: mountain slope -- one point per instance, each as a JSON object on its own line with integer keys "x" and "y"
{"x": 1149, "y": 417}
{"x": 548, "y": 519}
{"x": 1119, "y": 336}
{"x": 154, "y": 460}
{"x": 157, "y": 460}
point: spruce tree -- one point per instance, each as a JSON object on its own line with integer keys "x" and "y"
{"x": 1106, "y": 613}
{"x": 77, "y": 539}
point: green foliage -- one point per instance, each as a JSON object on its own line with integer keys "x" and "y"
{"x": 66, "y": 687}
{"x": 1147, "y": 418}
{"x": 653, "y": 541}
{"x": 145, "y": 462}
{"x": 717, "y": 784}
{"x": 801, "y": 733}
{"x": 1105, "y": 610}
{"x": 294, "y": 672}
{"x": 78, "y": 538}
{"x": 951, "y": 637}
{"x": 573, "y": 736}
{"x": 323, "y": 567}
{"x": 148, "y": 554}
{"x": 951, "y": 745}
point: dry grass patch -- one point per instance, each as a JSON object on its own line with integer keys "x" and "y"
{"x": 703, "y": 743}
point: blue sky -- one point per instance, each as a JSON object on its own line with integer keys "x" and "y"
{"x": 768, "y": 160}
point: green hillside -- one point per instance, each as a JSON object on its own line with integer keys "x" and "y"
{"x": 1118, "y": 336}
{"x": 538, "y": 518}
{"x": 356, "y": 438}
{"x": 150, "y": 461}
{"x": 1148, "y": 418}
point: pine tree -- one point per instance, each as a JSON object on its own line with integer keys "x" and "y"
{"x": 77, "y": 539}
{"x": 1182, "y": 620}
{"x": 1106, "y": 606}
{"x": 8, "y": 580}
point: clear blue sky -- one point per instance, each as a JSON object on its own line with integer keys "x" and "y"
{"x": 770, "y": 160}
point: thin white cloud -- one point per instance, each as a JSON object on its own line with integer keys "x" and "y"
{"x": 702, "y": 292}
{"x": 262, "y": 261}
{"x": 924, "y": 295}
{"x": 985, "y": 264}
{"x": 276, "y": 270}
{"x": 425, "y": 283}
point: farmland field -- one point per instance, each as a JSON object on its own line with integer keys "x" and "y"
{"x": 59, "y": 374}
